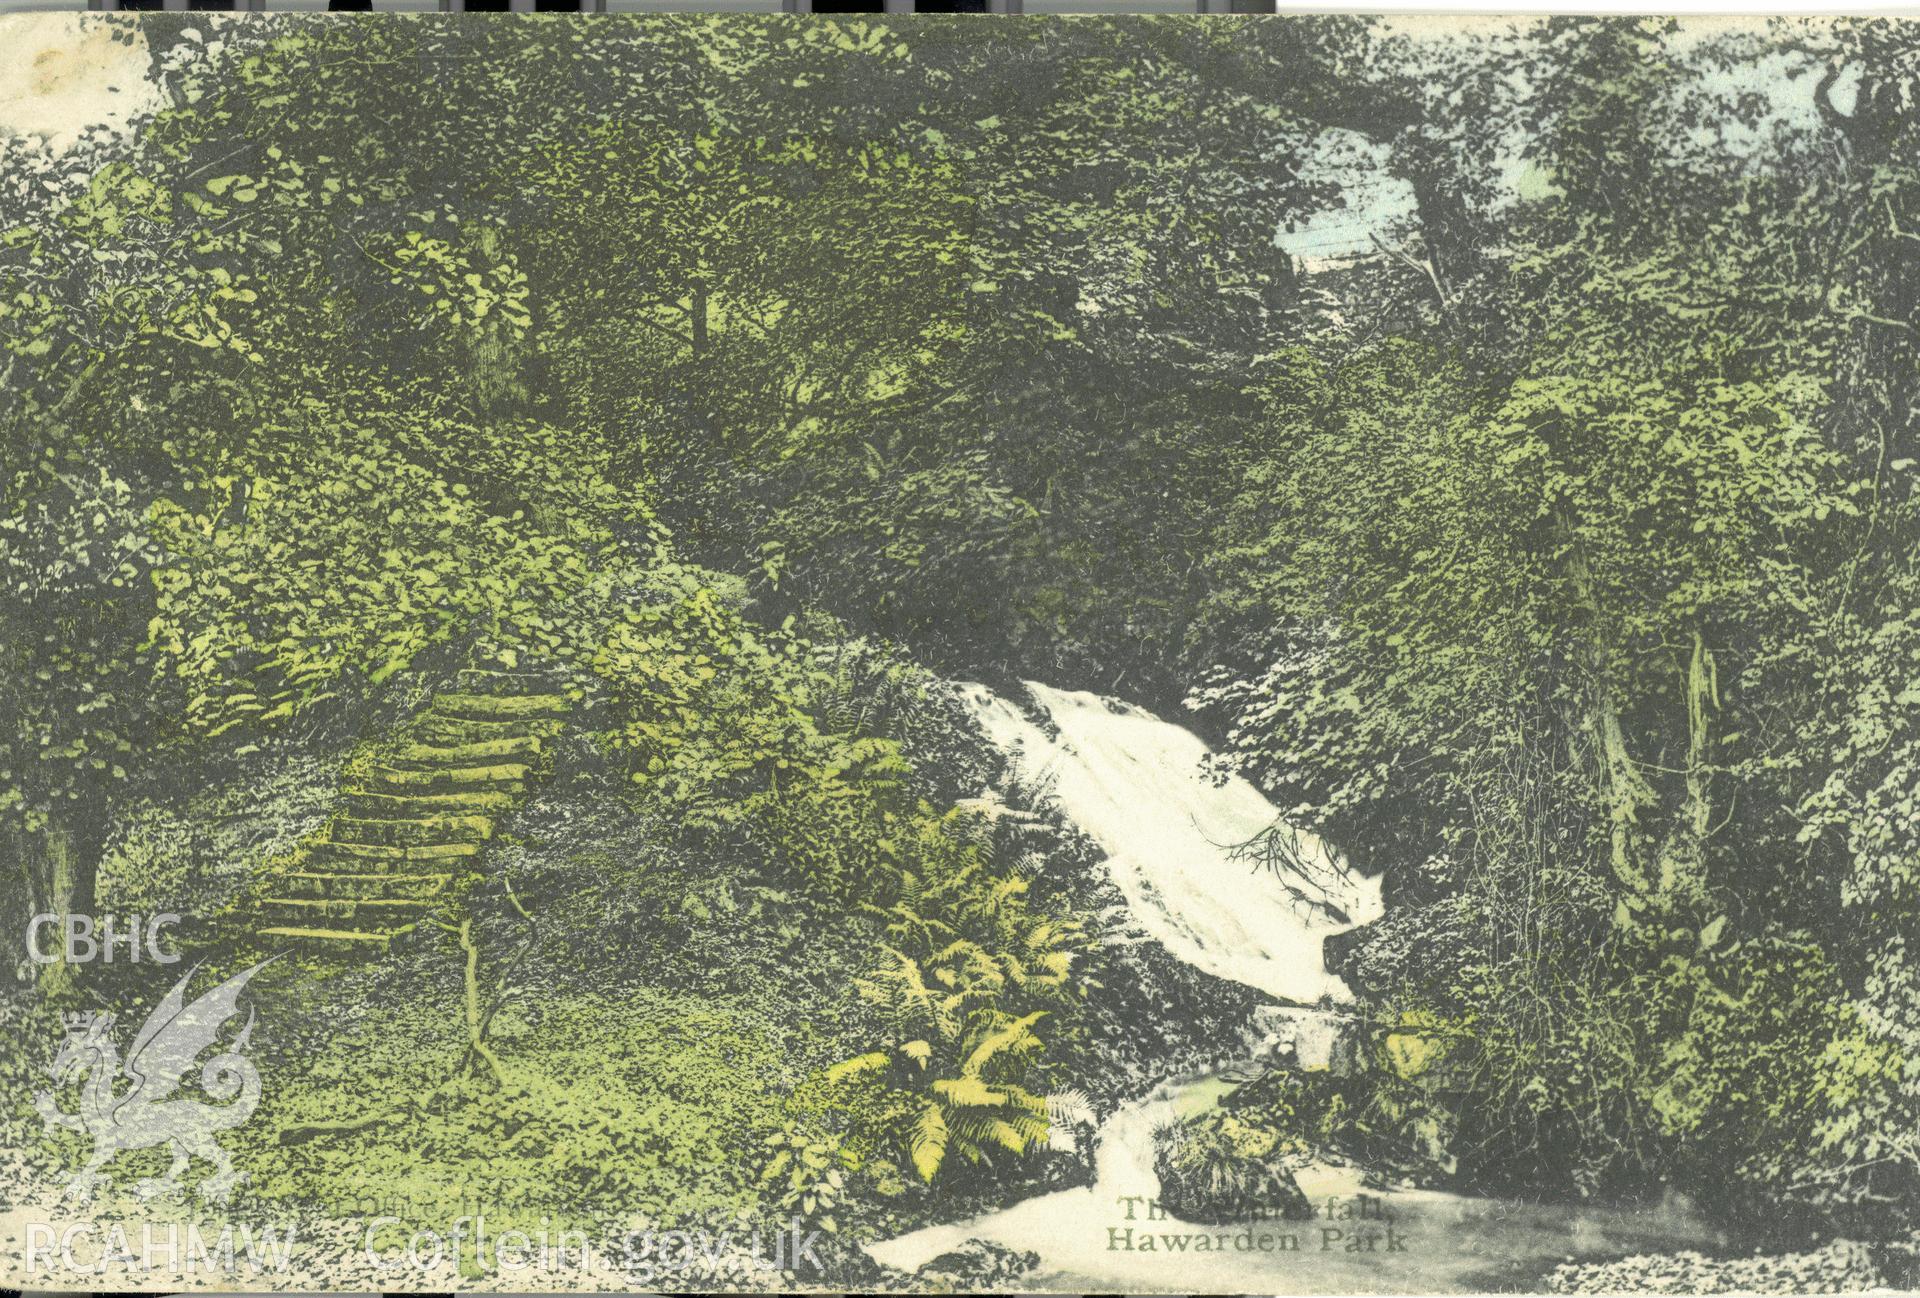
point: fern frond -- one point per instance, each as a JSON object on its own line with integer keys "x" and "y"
{"x": 968, "y": 1092}
{"x": 872, "y": 1061}
{"x": 1029, "y": 864}
{"x": 1024, "y": 1100}
{"x": 1069, "y": 1107}
{"x": 1009, "y": 1136}
{"x": 1016, "y": 1035}
{"x": 1016, "y": 1134}
{"x": 928, "y": 1145}
{"x": 1057, "y": 966}
{"x": 959, "y": 946}
{"x": 1003, "y": 892}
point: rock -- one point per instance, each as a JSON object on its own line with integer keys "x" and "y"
{"x": 1215, "y": 1192}
{"x": 1336, "y": 951}
{"x": 1068, "y": 1158}
{"x": 975, "y": 1266}
{"x": 1400, "y": 946}
{"x": 1310, "y": 1040}
{"x": 1844, "y": 1266}
{"x": 1416, "y": 1046}
{"x": 847, "y": 1266}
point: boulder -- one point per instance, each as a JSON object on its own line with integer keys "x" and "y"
{"x": 1223, "y": 1168}
{"x": 1307, "y": 1039}
{"x": 975, "y": 1266}
{"x": 1336, "y": 951}
{"x": 1251, "y": 1190}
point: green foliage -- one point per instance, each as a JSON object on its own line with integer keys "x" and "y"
{"x": 76, "y": 555}
{"x": 654, "y": 1104}
{"x": 810, "y": 1175}
{"x": 1562, "y": 598}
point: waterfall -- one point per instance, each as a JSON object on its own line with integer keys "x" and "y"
{"x": 1136, "y": 786}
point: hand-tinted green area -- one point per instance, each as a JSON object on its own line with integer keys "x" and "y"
{"x": 1557, "y": 560}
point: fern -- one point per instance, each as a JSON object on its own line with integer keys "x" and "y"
{"x": 1003, "y": 893}
{"x": 967, "y": 971}
{"x": 1016, "y": 1036}
{"x": 1013, "y": 1135}
{"x": 902, "y": 994}
{"x": 1069, "y": 1108}
{"x": 928, "y": 1146}
{"x": 968, "y": 1092}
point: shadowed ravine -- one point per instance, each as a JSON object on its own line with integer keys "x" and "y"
{"x": 1134, "y": 784}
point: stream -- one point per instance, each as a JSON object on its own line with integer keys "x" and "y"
{"x": 1135, "y": 784}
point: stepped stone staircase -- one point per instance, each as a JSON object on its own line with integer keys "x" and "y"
{"x": 412, "y": 827}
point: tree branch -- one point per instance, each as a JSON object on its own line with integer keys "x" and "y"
{"x": 1823, "y": 101}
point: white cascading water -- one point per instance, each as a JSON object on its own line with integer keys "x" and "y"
{"x": 1135, "y": 785}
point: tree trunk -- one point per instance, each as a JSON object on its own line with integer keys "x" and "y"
{"x": 1683, "y": 859}
{"x": 1624, "y": 791}
{"x": 1623, "y": 788}
{"x": 67, "y": 867}
{"x": 496, "y": 359}
{"x": 698, "y": 312}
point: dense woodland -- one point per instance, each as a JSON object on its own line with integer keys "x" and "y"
{"x": 1553, "y": 552}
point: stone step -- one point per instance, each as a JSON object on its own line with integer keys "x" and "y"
{"x": 499, "y": 707}
{"x": 441, "y": 729}
{"x": 421, "y": 831}
{"x": 492, "y": 680}
{"x": 340, "y": 936}
{"x": 366, "y": 887}
{"x": 347, "y": 913}
{"x": 506, "y": 777}
{"x": 389, "y": 859}
{"x": 488, "y": 752}
{"x": 364, "y": 804}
